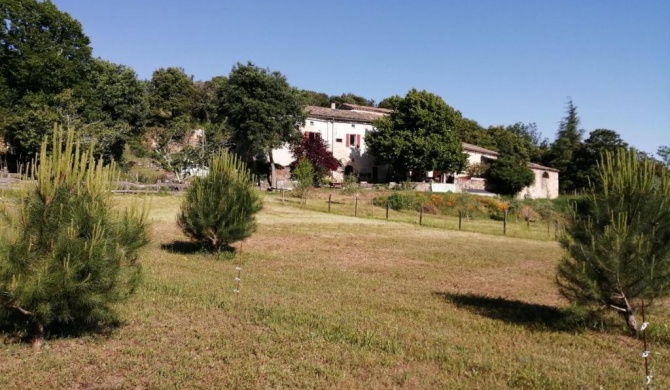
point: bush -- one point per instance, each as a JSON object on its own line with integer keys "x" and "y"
{"x": 220, "y": 208}
{"x": 304, "y": 174}
{"x": 67, "y": 256}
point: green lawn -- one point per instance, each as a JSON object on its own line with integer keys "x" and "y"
{"x": 332, "y": 301}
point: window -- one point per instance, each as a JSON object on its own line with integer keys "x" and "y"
{"x": 311, "y": 123}
{"x": 353, "y": 125}
{"x": 312, "y": 135}
{"x": 338, "y": 140}
{"x": 354, "y": 140}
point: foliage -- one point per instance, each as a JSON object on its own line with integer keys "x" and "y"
{"x": 67, "y": 256}
{"x": 391, "y": 102}
{"x": 315, "y": 150}
{"x": 563, "y": 149}
{"x": 509, "y": 174}
{"x": 584, "y": 166}
{"x": 351, "y": 99}
{"x": 304, "y": 173}
{"x": 263, "y": 111}
{"x": 172, "y": 95}
{"x": 422, "y": 134}
{"x": 312, "y": 98}
{"x": 220, "y": 208}
{"x": 618, "y": 242}
{"x": 43, "y": 54}
{"x": 664, "y": 153}
{"x": 350, "y": 184}
{"x": 477, "y": 169}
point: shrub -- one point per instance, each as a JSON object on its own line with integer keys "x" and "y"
{"x": 67, "y": 256}
{"x": 220, "y": 208}
{"x": 304, "y": 174}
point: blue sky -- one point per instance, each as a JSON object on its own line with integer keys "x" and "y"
{"x": 497, "y": 61}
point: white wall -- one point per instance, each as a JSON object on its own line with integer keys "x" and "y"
{"x": 543, "y": 187}
{"x": 335, "y": 134}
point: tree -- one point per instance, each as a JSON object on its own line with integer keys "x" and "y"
{"x": 664, "y": 153}
{"x": 618, "y": 240}
{"x": 351, "y": 99}
{"x": 391, "y": 102}
{"x": 67, "y": 256}
{"x": 312, "y": 98}
{"x": 304, "y": 173}
{"x": 509, "y": 174}
{"x": 420, "y": 135}
{"x": 172, "y": 97}
{"x": 220, "y": 208}
{"x": 562, "y": 150}
{"x": 315, "y": 150}
{"x": 263, "y": 111}
{"x": 45, "y": 59}
{"x": 584, "y": 166}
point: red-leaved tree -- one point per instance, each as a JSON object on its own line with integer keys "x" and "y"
{"x": 315, "y": 149}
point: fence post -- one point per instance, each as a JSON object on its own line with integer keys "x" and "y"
{"x": 329, "y": 196}
{"x": 421, "y": 215}
{"x": 556, "y": 229}
{"x": 282, "y": 196}
{"x": 356, "y": 207}
{"x": 387, "y": 209}
{"x": 460, "y": 219}
{"x": 505, "y": 223}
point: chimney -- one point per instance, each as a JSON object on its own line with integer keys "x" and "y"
{"x": 332, "y": 106}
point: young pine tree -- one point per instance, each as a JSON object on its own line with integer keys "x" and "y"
{"x": 618, "y": 242}
{"x": 220, "y": 208}
{"x": 66, "y": 255}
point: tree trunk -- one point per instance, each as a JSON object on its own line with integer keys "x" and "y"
{"x": 37, "y": 332}
{"x": 272, "y": 180}
{"x": 631, "y": 322}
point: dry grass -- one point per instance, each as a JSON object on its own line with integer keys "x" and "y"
{"x": 331, "y": 301}
{"x": 360, "y": 204}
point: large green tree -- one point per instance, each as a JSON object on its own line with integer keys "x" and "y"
{"x": 263, "y": 111}
{"x": 584, "y": 166}
{"x": 618, "y": 240}
{"x": 568, "y": 142}
{"x": 509, "y": 174}
{"x": 420, "y": 135}
{"x": 45, "y": 60}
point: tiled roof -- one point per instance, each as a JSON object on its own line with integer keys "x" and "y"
{"x": 478, "y": 149}
{"x": 345, "y": 115}
{"x": 379, "y": 110}
{"x": 542, "y": 167}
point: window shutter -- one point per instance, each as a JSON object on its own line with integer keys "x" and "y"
{"x": 347, "y": 137}
{"x": 318, "y": 136}
{"x": 358, "y": 140}
{"x": 306, "y": 135}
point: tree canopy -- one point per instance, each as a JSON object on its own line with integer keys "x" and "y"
{"x": 263, "y": 111}
{"x": 421, "y": 134}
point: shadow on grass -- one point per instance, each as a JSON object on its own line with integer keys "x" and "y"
{"x": 15, "y": 329}
{"x": 190, "y": 247}
{"x": 529, "y": 315}
{"x": 184, "y": 247}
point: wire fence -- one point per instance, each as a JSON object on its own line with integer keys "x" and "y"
{"x": 363, "y": 206}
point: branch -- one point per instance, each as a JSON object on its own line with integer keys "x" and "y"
{"x": 21, "y": 310}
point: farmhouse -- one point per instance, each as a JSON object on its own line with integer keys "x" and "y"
{"x": 344, "y": 131}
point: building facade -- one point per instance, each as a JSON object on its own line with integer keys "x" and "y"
{"x": 345, "y": 129}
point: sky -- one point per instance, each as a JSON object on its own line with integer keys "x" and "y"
{"x": 497, "y": 61}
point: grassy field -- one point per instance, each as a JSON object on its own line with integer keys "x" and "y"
{"x": 332, "y": 301}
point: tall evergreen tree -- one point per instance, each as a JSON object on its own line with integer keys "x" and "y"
{"x": 618, "y": 240}
{"x": 567, "y": 143}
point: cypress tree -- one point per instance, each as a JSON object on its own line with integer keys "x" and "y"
{"x": 618, "y": 241}
{"x": 66, "y": 255}
{"x": 220, "y": 208}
